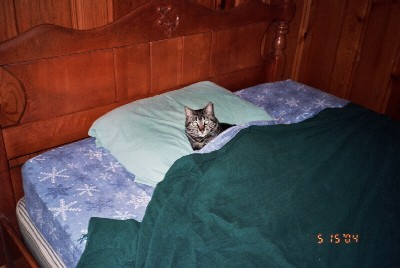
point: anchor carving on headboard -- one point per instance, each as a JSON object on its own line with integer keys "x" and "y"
{"x": 12, "y": 99}
{"x": 169, "y": 20}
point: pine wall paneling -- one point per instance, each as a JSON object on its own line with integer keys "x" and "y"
{"x": 347, "y": 48}
{"x": 123, "y": 7}
{"x": 8, "y": 28}
{"x": 30, "y": 13}
{"x": 87, "y": 14}
{"x": 324, "y": 26}
{"x": 392, "y": 100}
{"x": 17, "y": 16}
{"x": 378, "y": 56}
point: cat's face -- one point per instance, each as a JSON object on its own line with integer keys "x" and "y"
{"x": 199, "y": 123}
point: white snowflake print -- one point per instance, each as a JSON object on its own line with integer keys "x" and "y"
{"x": 301, "y": 88}
{"x": 260, "y": 98}
{"x": 95, "y": 154}
{"x": 105, "y": 176}
{"x": 120, "y": 195}
{"x": 292, "y": 102}
{"x": 72, "y": 165}
{"x": 140, "y": 200}
{"x": 123, "y": 215}
{"x": 80, "y": 149}
{"x": 63, "y": 209}
{"x": 88, "y": 190}
{"x": 320, "y": 103}
{"x": 304, "y": 115}
{"x": 239, "y": 93}
{"x": 53, "y": 175}
{"x": 113, "y": 166}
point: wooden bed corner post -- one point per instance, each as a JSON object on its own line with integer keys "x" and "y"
{"x": 12, "y": 107}
{"x": 277, "y": 56}
{"x": 7, "y": 200}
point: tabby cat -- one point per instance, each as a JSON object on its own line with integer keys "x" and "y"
{"x": 202, "y": 126}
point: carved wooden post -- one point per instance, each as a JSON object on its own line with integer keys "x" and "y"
{"x": 277, "y": 56}
{"x": 12, "y": 106}
{"x": 7, "y": 199}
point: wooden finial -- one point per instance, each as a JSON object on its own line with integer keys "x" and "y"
{"x": 281, "y": 25}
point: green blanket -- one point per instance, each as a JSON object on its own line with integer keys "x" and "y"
{"x": 320, "y": 193}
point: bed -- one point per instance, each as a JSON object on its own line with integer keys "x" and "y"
{"x": 58, "y": 85}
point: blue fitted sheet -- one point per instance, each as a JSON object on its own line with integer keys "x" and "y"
{"x": 66, "y": 186}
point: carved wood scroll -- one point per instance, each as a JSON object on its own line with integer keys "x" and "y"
{"x": 12, "y": 99}
{"x": 169, "y": 20}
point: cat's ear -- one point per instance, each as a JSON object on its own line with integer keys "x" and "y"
{"x": 209, "y": 108}
{"x": 188, "y": 112}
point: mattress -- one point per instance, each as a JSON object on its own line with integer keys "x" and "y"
{"x": 66, "y": 186}
{"x": 41, "y": 250}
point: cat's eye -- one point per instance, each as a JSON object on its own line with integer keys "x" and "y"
{"x": 194, "y": 123}
{"x": 205, "y": 122}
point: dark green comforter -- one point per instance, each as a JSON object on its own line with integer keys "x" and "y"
{"x": 321, "y": 193}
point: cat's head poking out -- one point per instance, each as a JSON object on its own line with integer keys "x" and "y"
{"x": 201, "y": 126}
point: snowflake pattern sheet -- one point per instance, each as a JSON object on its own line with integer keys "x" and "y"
{"x": 66, "y": 186}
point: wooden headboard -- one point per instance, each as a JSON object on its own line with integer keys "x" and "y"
{"x": 54, "y": 81}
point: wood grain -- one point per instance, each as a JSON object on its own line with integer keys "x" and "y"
{"x": 348, "y": 47}
{"x": 8, "y": 25}
{"x": 377, "y": 56}
{"x": 30, "y": 13}
{"x": 88, "y": 14}
{"x": 196, "y": 58}
{"x": 64, "y": 85}
{"x": 245, "y": 39}
{"x": 44, "y": 134}
{"x": 132, "y": 70}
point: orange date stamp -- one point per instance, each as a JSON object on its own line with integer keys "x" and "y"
{"x": 338, "y": 238}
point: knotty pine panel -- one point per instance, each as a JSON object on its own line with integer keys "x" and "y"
{"x": 322, "y": 33}
{"x": 17, "y": 16}
{"x": 296, "y": 39}
{"x": 88, "y": 14}
{"x": 378, "y": 55}
{"x": 8, "y": 28}
{"x": 30, "y": 13}
{"x": 392, "y": 107}
{"x": 392, "y": 102}
{"x": 352, "y": 31}
{"x": 66, "y": 84}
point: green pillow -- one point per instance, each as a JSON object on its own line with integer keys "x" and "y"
{"x": 148, "y": 135}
